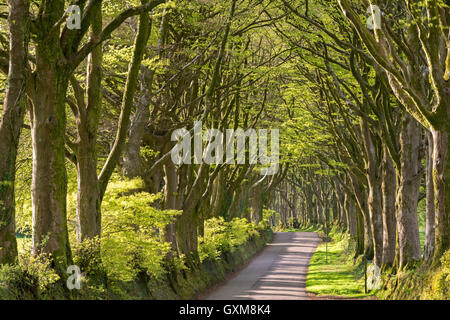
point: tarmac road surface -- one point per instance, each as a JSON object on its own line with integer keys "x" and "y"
{"x": 277, "y": 273}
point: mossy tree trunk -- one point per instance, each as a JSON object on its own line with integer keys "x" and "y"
{"x": 11, "y": 122}
{"x": 87, "y": 120}
{"x": 408, "y": 192}
{"x": 389, "y": 219}
{"x": 49, "y": 179}
{"x": 374, "y": 179}
{"x": 361, "y": 199}
{"x": 430, "y": 208}
{"x": 441, "y": 179}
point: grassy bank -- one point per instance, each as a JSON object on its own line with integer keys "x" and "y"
{"x": 422, "y": 282}
{"x": 333, "y": 272}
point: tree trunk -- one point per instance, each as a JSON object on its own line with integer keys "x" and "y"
{"x": 351, "y": 214}
{"x": 374, "y": 183}
{"x": 430, "y": 208}
{"x": 310, "y": 205}
{"x": 131, "y": 160}
{"x": 170, "y": 201}
{"x": 334, "y": 206}
{"x": 49, "y": 181}
{"x": 343, "y": 198}
{"x": 255, "y": 202}
{"x": 88, "y": 195}
{"x": 376, "y": 220}
{"x": 187, "y": 223}
{"x": 90, "y": 188}
{"x": 361, "y": 199}
{"x": 219, "y": 198}
{"x": 319, "y": 210}
{"x": 408, "y": 192}
{"x": 341, "y": 214}
{"x": 48, "y": 129}
{"x": 441, "y": 179}
{"x": 344, "y": 218}
{"x": 295, "y": 210}
{"x": 187, "y": 233}
{"x": 363, "y": 245}
{"x": 388, "y": 189}
{"x": 10, "y": 125}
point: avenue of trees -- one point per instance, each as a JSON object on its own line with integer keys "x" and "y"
{"x": 374, "y": 127}
{"x": 363, "y": 114}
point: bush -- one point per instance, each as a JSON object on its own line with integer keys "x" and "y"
{"x": 87, "y": 256}
{"x": 270, "y": 218}
{"x": 221, "y": 236}
{"x": 132, "y": 237}
{"x": 31, "y": 278}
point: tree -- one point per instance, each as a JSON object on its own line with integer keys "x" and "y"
{"x": 57, "y": 56}
{"x": 11, "y": 123}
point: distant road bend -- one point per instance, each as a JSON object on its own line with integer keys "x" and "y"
{"x": 277, "y": 273}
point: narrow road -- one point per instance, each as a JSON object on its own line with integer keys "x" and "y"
{"x": 277, "y": 273}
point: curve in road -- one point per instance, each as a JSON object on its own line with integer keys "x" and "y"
{"x": 277, "y": 273}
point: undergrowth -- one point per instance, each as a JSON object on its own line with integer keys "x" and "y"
{"x": 220, "y": 236}
{"x": 420, "y": 283}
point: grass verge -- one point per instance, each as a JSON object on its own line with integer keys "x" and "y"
{"x": 332, "y": 271}
{"x": 336, "y": 275}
